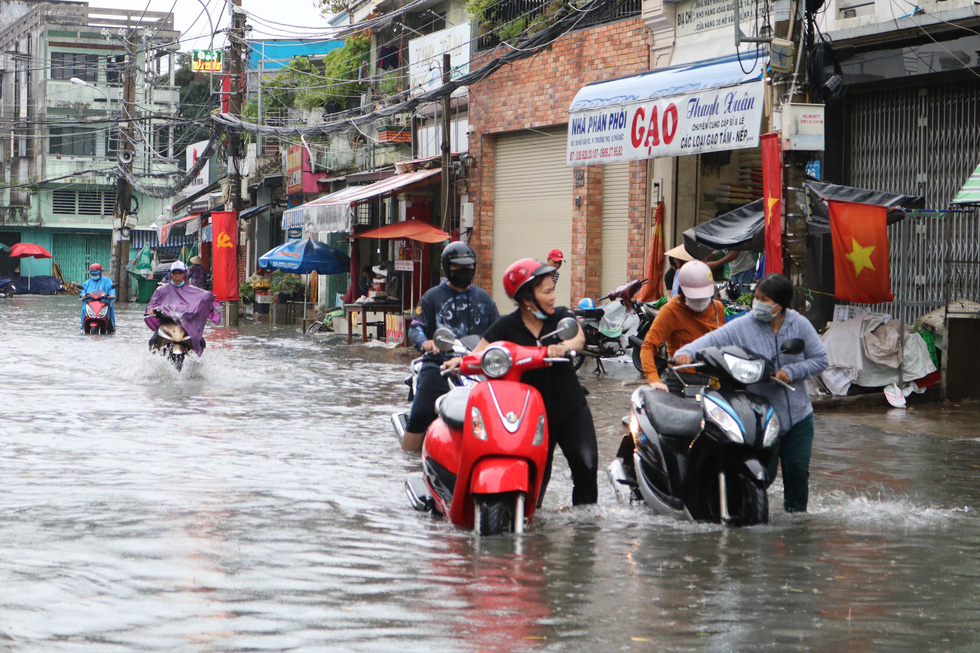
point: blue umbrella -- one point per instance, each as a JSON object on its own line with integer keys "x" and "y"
{"x": 305, "y": 256}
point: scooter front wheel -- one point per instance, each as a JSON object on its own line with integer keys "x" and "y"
{"x": 748, "y": 503}
{"x": 496, "y": 514}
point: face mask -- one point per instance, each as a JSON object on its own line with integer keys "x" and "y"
{"x": 96, "y": 275}
{"x": 698, "y": 305}
{"x": 462, "y": 277}
{"x": 762, "y": 311}
{"x": 538, "y": 313}
{"x": 177, "y": 284}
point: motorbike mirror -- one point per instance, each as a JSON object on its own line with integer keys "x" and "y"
{"x": 567, "y": 328}
{"x": 793, "y": 346}
{"x": 444, "y": 340}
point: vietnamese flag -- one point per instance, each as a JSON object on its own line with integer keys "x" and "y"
{"x": 224, "y": 255}
{"x": 860, "y": 237}
{"x": 772, "y": 201}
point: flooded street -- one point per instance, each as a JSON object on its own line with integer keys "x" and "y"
{"x": 255, "y": 502}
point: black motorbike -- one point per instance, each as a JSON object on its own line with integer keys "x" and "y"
{"x": 614, "y": 328}
{"x": 6, "y": 288}
{"x": 704, "y": 457}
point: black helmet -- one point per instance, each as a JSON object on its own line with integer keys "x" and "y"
{"x": 459, "y": 253}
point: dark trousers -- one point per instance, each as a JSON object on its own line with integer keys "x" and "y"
{"x": 794, "y": 455}
{"x": 429, "y": 386}
{"x": 575, "y": 434}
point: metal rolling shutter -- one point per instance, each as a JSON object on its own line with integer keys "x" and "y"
{"x": 615, "y": 225}
{"x": 75, "y": 252}
{"x": 532, "y": 206}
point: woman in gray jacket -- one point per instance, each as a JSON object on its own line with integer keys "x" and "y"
{"x": 771, "y": 323}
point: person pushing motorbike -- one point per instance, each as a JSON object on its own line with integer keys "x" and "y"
{"x": 457, "y": 305}
{"x": 97, "y": 282}
{"x": 531, "y": 285}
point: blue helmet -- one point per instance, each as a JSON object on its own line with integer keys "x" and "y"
{"x": 587, "y": 304}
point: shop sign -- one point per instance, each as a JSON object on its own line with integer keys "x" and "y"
{"x": 404, "y": 266}
{"x": 713, "y": 120}
{"x": 425, "y": 57}
{"x": 394, "y": 329}
{"x": 204, "y": 175}
{"x": 294, "y": 170}
{"x": 206, "y": 61}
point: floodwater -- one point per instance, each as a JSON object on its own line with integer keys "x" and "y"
{"x": 255, "y": 503}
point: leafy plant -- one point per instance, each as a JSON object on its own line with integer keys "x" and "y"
{"x": 285, "y": 284}
{"x": 746, "y": 298}
{"x": 246, "y": 294}
{"x": 492, "y": 16}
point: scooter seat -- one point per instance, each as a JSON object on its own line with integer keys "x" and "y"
{"x": 452, "y": 407}
{"x": 672, "y": 415}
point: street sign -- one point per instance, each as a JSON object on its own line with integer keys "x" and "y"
{"x": 206, "y": 61}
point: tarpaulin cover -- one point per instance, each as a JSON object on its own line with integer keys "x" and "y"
{"x": 40, "y": 285}
{"x": 410, "y": 229}
{"x": 742, "y": 229}
{"x": 189, "y": 306}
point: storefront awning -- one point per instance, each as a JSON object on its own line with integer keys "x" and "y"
{"x": 708, "y": 106}
{"x": 970, "y": 193}
{"x": 182, "y": 225}
{"x": 331, "y": 213}
{"x": 422, "y": 232}
{"x": 253, "y": 211}
{"x": 742, "y": 229}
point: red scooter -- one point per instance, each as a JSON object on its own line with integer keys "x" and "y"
{"x": 97, "y": 320}
{"x": 484, "y": 456}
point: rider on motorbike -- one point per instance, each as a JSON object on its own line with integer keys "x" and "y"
{"x": 457, "y": 305}
{"x": 180, "y": 302}
{"x": 97, "y": 282}
{"x": 686, "y": 317}
{"x": 531, "y": 285}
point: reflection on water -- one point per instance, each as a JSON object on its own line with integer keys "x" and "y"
{"x": 255, "y": 501}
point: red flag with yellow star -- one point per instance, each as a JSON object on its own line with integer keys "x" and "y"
{"x": 772, "y": 194}
{"x": 860, "y": 237}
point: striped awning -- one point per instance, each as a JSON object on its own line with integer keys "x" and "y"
{"x": 140, "y": 238}
{"x": 970, "y": 193}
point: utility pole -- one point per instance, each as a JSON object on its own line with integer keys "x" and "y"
{"x": 124, "y": 191}
{"x": 235, "y": 67}
{"x": 794, "y": 172}
{"x": 446, "y": 144}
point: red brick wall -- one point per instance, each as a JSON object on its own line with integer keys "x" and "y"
{"x": 535, "y": 93}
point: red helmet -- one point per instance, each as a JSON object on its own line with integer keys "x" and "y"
{"x": 524, "y": 271}
{"x": 95, "y": 267}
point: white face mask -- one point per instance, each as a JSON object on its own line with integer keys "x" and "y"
{"x": 697, "y": 305}
{"x": 763, "y": 311}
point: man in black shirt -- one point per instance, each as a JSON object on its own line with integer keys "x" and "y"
{"x": 457, "y": 305}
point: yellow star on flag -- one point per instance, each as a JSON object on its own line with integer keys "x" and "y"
{"x": 860, "y": 257}
{"x": 770, "y": 203}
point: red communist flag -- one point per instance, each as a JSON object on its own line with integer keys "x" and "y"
{"x": 860, "y": 237}
{"x": 224, "y": 248}
{"x": 653, "y": 289}
{"x": 772, "y": 201}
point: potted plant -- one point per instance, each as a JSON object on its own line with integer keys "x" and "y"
{"x": 286, "y": 286}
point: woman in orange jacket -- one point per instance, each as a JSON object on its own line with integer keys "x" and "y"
{"x": 683, "y": 319}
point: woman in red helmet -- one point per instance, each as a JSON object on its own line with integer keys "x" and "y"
{"x": 531, "y": 285}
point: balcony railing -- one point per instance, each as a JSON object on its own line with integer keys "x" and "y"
{"x": 513, "y": 12}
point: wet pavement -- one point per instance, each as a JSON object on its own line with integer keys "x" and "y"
{"x": 255, "y": 502}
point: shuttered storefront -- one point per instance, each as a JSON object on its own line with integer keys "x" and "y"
{"x": 615, "y": 225}
{"x": 75, "y": 252}
{"x": 532, "y": 206}
{"x": 922, "y": 141}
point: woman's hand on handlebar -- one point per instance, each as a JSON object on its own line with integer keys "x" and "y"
{"x": 682, "y": 359}
{"x": 558, "y": 351}
{"x": 452, "y": 364}
{"x": 781, "y": 375}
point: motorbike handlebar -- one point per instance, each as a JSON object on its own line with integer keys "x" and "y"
{"x": 782, "y": 383}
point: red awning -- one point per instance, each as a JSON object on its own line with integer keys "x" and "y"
{"x": 423, "y": 232}
{"x": 165, "y": 229}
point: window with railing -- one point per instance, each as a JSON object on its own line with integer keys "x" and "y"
{"x": 65, "y": 65}
{"x": 71, "y": 141}
{"x": 506, "y": 20}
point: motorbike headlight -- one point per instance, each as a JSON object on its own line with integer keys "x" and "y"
{"x": 745, "y": 371}
{"x": 721, "y": 416}
{"x": 479, "y": 430}
{"x": 538, "y": 433}
{"x": 104, "y": 311}
{"x": 496, "y": 362}
{"x": 772, "y": 429}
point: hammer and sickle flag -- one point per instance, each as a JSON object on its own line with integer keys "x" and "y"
{"x": 860, "y": 238}
{"x": 224, "y": 275}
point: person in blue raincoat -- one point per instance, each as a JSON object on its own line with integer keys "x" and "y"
{"x": 97, "y": 282}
